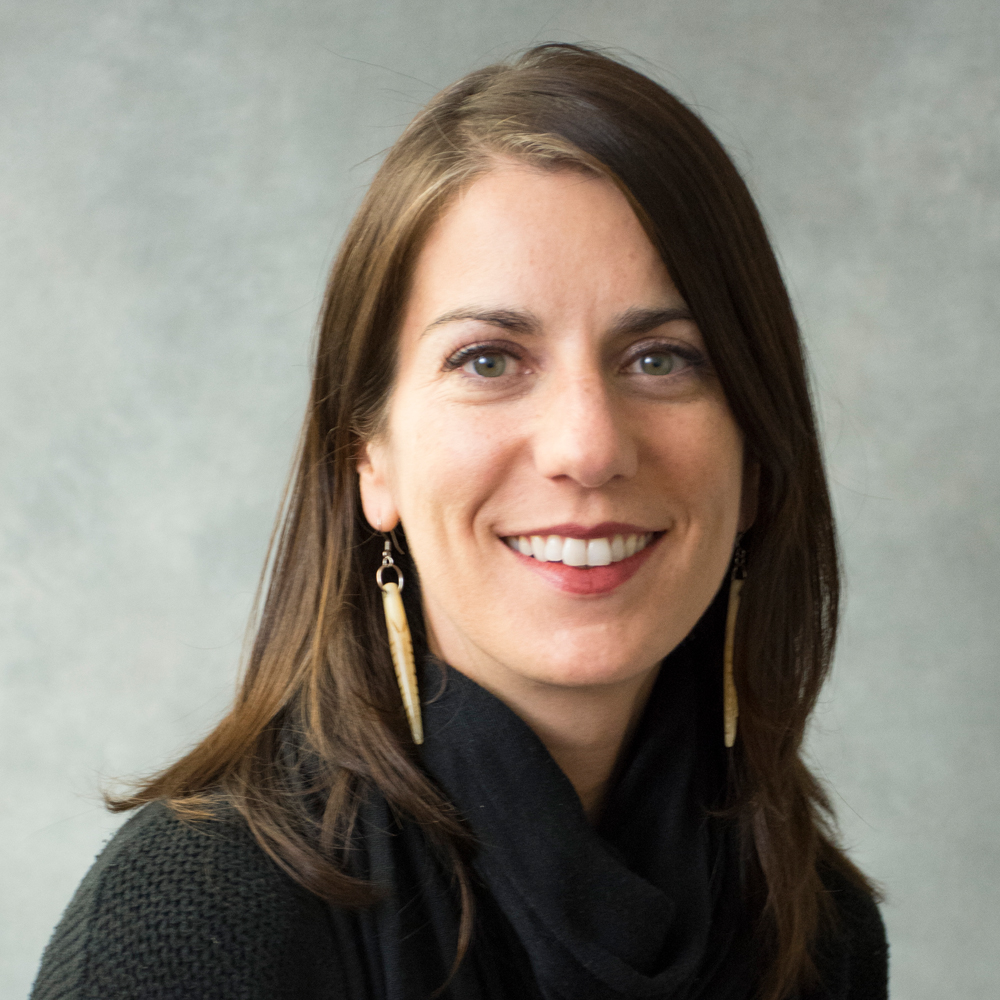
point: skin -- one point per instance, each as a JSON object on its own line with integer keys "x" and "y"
{"x": 540, "y": 271}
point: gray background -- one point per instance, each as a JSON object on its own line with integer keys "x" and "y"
{"x": 175, "y": 178}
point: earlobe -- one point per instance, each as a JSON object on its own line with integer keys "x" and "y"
{"x": 373, "y": 482}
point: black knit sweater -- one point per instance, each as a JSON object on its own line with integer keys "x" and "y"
{"x": 646, "y": 905}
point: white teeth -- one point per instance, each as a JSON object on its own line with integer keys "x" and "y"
{"x": 617, "y": 548}
{"x": 598, "y": 552}
{"x": 538, "y": 548}
{"x": 553, "y": 548}
{"x": 579, "y": 551}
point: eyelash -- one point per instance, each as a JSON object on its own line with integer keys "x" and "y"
{"x": 466, "y": 354}
{"x": 694, "y": 358}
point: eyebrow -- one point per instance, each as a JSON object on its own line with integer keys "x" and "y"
{"x": 630, "y": 322}
{"x": 644, "y": 320}
{"x": 506, "y": 319}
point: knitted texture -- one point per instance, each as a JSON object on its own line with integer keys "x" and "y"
{"x": 174, "y": 910}
{"x": 855, "y": 963}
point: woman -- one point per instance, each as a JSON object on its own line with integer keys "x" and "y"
{"x": 560, "y": 407}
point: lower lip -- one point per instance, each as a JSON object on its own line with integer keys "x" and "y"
{"x": 594, "y": 580}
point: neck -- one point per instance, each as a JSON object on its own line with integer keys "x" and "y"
{"x": 585, "y": 730}
{"x": 584, "y": 727}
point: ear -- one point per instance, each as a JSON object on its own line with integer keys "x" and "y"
{"x": 375, "y": 483}
{"x": 749, "y": 493}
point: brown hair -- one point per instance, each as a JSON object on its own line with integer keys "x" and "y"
{"x": 319, "y": 662}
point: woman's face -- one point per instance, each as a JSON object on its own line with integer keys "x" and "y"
{"x": 557, "y": 447}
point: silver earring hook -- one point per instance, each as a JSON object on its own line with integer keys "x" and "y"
{"x": 387, "y": 563}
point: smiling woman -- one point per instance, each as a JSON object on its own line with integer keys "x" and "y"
{"x": 558, "y": 366}
{"x": 552, "y": 386}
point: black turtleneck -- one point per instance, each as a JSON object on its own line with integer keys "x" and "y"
{"x": 647, "y": 904}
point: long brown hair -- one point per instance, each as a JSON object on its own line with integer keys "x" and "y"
{"x": 319, "y": 663}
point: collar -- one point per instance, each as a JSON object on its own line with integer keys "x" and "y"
{"x": 646, "y": 904}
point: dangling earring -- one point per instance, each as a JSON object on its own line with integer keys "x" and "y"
{"x": 400, "y": 642}
{"x": 730, "y": 705}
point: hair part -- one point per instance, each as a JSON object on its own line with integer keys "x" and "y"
{"x": 319, "y": 676}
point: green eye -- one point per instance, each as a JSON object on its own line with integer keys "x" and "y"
{"x": 658, "y": 363}
{"x": 489, "y": 365}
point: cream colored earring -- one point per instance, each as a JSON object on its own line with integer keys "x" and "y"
{"x": 730, "y": 704}
{"x": 400, "y": 642}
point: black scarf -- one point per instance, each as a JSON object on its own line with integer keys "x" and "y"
{"x": 647, "y": 904}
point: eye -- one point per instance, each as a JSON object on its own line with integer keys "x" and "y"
{"x": 488, "y": 364}
{"x": 659, "y": 360}
{"x": 657, "y": 363}
{"x": 480, "y": 362}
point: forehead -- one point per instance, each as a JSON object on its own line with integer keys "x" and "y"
{"x": 558, "y": 241}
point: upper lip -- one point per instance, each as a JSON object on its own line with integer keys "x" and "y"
{"x": 606, "y": 529}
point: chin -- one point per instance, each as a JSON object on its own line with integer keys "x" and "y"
{"x": 584, "y": 664}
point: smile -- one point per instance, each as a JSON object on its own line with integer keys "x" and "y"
{"x": 579, "y": 552}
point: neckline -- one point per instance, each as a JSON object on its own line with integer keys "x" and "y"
{"x": 623, "y": 909}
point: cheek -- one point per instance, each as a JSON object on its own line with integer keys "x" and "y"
{"x": 701, "y": 457}
{"x": 448, "y": 462}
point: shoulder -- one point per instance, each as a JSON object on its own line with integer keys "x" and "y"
{"x": 853, "y": 955}
{"x": 177, "y": 908}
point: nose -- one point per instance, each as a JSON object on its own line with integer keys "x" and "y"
{"x": 582, "y": 435}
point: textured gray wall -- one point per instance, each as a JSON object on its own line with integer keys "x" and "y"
{"x": 174, "y": 179}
